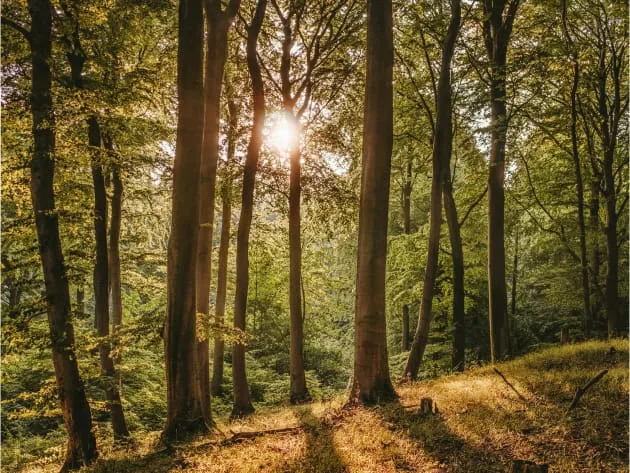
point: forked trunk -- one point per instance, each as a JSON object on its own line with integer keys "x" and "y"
{"x": 371, "y": 380}
{"x": 442, "y": 147}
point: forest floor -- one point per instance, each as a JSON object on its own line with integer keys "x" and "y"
{"x": 482, "y": 425}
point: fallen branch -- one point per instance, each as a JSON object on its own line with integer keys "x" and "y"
{"x": 581, "y": 391}
{"x": 520, "y": 396}
{"x": 240, "y": 436}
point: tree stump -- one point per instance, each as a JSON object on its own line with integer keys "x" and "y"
{"x": 427, "y": 406}
{"x": 526, "y": 466}
{"x": 564, "y": 336}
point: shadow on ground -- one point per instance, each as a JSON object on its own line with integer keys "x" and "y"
{"x": 430, "y": 433}
{"x": 321, "y": 455}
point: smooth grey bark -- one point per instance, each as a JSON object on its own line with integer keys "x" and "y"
{"x": 184, "y": 404}
{"x": 497, "y": 27}
{"x": 371, "y": 379}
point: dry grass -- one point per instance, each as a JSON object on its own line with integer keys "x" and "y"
{"x": 482, "y": 425}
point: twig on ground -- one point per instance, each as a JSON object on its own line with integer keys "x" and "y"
{"x": 520, "y": 396}
{"x": 581, "y": 391}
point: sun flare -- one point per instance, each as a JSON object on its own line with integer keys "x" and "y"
{"x": 281, "y": 133}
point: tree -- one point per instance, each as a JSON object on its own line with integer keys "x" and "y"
{"x": 224, "y": 245}
{"x": 498, "y": 20}
{"x": 184, "y": 403}
{"x": 77, "y": 57}
{"x": 218, "y": 23}
{"x": 81, "y": 445}
{"x": 371, "y": 381}
{"x": 242, "y": 399}
{"x": 441, "y": 158}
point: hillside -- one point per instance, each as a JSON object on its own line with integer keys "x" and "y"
{"x": 482, "y": 425}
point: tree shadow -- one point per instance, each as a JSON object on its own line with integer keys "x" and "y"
{"x": 431, "y": 433}
{"x": 321, "y": 455}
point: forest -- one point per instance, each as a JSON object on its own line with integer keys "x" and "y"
{"x": 314, "y": 236}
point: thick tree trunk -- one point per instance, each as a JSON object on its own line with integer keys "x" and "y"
{"x": 497, "y": 31}
{"x": 371, "y": 381}
{"x": 298, "y": 390}
{"x": 442, "y": 148}
{"x": 242, "y": 400}
{"x": 101, "y": 285}
{"x": 81, "y": 446}
{"x": 184, "y": 405}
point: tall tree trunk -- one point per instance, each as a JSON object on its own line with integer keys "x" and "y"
{"x": 514, "y": 275}
{"x": 76, "y": 58}
{"x": 406, "y": 206}
{"x": 609, "y": 114}
{"x": 596, "y": 256}
{"x": 115, "y": 290}
{"x": 298, "y": 389}
{"x": 457, "y": 252}
{"x": 184, "y": 405}
{"x": 80, "y": 301}
{"x": 81, "y": 445}
{"x": 442, "y": 148}
{"x": 224, "y": 247}
{"x": 371, "y": 381}
{"x": 404, "y": 344}
{"x": 101, "y": 285}
{"x": 114, "y": 243}
{"x": 242, "y": 399}
{"x": 497, "y": 30}
{"x": 579, "y": 183}
{"x": 217, "y": 27}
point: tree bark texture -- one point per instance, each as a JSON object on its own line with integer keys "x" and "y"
{"x": 184, "y": 404}
{"x": 81, "y": 444}
{"x": 497, "y": 30}
{"x": 242, "y": 399}
{"x": 371, "y": 382}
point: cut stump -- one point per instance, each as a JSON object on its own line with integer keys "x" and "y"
{"x": 427, "y": 406}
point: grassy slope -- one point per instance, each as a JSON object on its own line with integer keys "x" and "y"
{"x": 481, "y": 426}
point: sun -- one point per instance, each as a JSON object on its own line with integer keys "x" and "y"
{"x": 281, "y": 132}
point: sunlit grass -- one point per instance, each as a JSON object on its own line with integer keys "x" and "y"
{"x": 482, "y": 425}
